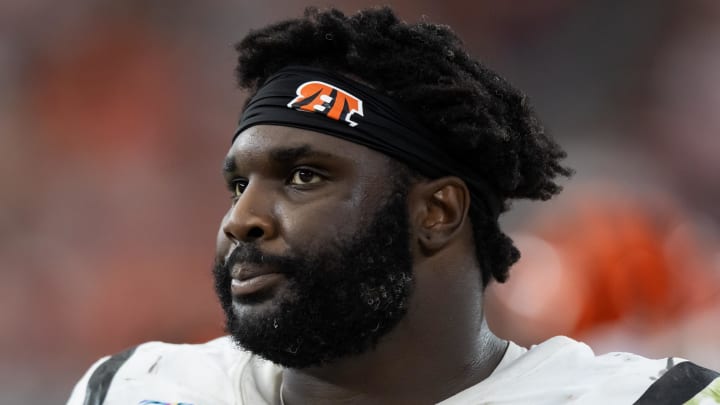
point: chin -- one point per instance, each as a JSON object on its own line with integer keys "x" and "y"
{"x": 256, "y": 309}
{"x": 264, "y": 303}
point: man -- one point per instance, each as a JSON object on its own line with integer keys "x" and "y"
{"x": 371, "y": 164}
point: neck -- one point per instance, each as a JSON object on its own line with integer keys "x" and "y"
{"x": 440, "y": 348}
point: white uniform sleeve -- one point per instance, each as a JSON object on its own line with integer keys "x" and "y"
{"x": 158, "y": 373}
{"x": 77, "y": 397}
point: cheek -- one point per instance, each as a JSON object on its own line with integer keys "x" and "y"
{"x": 319, "y": 224}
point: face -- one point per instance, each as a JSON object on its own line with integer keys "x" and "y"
{"x": 313, "y": 260}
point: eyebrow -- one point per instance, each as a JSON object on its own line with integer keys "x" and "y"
{"x": 229, "y": 166}
{"x": 286, "y": 155}
{"x": 281, "y": 156}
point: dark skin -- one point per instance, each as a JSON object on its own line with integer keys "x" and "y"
{"x": 302, "y": 188}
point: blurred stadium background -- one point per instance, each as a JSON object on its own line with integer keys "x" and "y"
{"x": 115, "y": 116}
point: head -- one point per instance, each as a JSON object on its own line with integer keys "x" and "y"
{"x": 330, "y": 224}
{"x": 325, "y": 221}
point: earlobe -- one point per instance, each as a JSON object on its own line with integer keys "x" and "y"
{"x": 445, "y": 203}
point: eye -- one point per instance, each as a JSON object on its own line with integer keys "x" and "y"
{"x": 237, "y": 187}
{"x": 304, "y": 176}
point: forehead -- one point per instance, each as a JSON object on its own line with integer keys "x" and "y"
{"x": 265, "y": 141}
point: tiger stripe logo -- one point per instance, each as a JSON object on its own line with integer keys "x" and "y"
{"x": 326, "y": 99}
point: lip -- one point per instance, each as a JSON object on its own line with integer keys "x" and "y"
{"x": 251, "y": 279}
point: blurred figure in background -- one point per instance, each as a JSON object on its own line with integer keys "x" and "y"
{"x": 612, "y": 267}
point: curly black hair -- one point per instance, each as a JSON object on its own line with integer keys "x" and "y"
{"x": 481, "y": 118}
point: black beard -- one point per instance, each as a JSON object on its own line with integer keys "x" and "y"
{"x": 339, "y": 301}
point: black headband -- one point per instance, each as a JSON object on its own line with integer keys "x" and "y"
{"x": 320, "y": 101}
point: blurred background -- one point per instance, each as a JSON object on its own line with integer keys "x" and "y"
{"x": 115, "y": 117}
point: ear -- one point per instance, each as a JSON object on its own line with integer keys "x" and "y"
{"x": 439, "y": 209}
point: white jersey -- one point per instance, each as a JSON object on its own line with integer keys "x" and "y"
{"x": 559, "y": 371}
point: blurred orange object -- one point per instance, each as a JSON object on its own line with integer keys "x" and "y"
{"x": 606, "y": 258}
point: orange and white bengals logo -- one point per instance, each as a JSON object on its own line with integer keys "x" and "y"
{"x": 328, "y": 100}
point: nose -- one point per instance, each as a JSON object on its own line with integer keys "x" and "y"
{"x": 250, "y": 218}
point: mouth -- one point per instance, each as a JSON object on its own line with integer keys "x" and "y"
{"x": 248, "y": 280}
